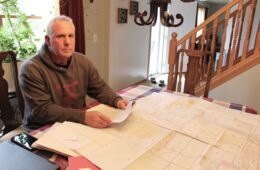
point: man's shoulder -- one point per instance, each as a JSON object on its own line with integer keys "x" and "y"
{"x": 33, "y": 60}
{"x": 80, "y": 57}
{"x": 30, "y": 63}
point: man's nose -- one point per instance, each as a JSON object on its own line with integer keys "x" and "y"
{"x": 66, "y": 40}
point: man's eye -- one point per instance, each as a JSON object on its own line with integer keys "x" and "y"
{"x": 60, "y": 36}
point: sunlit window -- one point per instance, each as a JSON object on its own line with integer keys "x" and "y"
{"x": 158, "y": 50}
{"x": 201, "y": 16}
{"x": 38, "y": 12}
{"x": 43, "y": 10}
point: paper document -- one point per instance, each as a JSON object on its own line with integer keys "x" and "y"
{"x": 124, "y": 113}
{"x": 56, "y": 140}
{"x": 109, "y": 148}
{"x": 116, "y": 115}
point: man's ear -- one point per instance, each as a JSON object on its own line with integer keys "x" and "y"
{"x": 47, "y": 40}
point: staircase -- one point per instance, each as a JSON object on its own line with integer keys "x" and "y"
{"x": 231, "y": 35}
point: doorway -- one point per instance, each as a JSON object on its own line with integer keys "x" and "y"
{"x": 158, "y": 63}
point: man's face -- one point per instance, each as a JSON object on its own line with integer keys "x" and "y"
{"x": 61, "y": 42}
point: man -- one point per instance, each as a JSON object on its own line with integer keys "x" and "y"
{"x": 55, "y": 81}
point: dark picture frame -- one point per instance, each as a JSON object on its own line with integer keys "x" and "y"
{"x": 134, "y": 5}
{"x": 122, "y": 15}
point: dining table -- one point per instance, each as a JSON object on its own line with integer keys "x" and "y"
{"x": 200, "y": 133}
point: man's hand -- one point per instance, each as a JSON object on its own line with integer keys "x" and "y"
{"x": 121, "y": 104}
{"x": 97, "y": 120}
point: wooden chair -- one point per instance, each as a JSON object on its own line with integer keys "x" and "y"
{"x": 7, "y": 113}
{"x": 198, "y": 73}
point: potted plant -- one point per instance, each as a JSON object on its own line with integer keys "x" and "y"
{"x": 15, "y": 35}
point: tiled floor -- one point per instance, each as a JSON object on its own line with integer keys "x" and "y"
{"x": 161, "y": 77}
{"x": 157, "y": 81}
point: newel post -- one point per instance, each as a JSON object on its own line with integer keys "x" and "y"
{"x": 171, "y": 61}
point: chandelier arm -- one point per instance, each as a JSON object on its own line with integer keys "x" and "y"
{"x": 152, "y": 16}
{"x": 187, "y": 0}
{"x": 155, "y": 12}
{"x": 139, "y": 17}
{"x": 168, "y": 19}
{"x": 165, "y": 18}
{"x": 163, "y": 13}
{"x": 180, "y": 17}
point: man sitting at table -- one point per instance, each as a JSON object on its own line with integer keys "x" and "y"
{"x": 55, "y": 81}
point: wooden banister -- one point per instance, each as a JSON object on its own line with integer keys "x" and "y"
{"x": 171, "y": 61}
{"x": 234, "y": 43}
{"x": 257, "y": 40}
{"x": 249, "y": 28}
{"x": 209, "y": 20}
{"x": 219, "y": 69}
{"x": 229, "y": 52}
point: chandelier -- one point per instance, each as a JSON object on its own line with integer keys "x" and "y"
{"x": 165, "y": 18}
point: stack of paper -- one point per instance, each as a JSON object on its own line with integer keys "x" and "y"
{"x": 111, "y": 148}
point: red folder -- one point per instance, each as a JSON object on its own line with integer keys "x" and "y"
{"x": 77, "y": 162}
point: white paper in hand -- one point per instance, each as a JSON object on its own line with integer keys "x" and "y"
{"x": 124, "y": 114}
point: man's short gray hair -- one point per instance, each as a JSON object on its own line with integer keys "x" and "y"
{"x": 57, "y": 18}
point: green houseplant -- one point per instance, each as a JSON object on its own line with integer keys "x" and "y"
{"x": 16, "y": 33}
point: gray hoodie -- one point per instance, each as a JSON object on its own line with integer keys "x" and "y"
{"x": 56, "y": 94}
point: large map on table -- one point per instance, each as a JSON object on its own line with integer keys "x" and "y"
{"x": 224, "y": 138}
{"x": 166, "y": 131}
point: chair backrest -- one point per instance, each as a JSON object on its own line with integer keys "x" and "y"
{"x": 7, "y": 113}
{"x": 196, "y": 73}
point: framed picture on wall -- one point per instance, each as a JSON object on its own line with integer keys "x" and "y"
{"x": 122, "y": 15}
{"x": 133, "y": 7}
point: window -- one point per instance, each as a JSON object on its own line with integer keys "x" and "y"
{"x": 158, "y": 49}
{"x": 38, "y": 13}
{"x": 44, "y": 10}
{"x": 201, "y": 16}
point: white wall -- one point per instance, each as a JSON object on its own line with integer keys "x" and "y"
{"x": 119, "y": 51}
{"x": 243, "y": 89}
{"x": 128, "y": 47}
{"x": 95, "y": 34}
{"x": 188, "y": 11}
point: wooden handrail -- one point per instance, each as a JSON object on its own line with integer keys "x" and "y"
{"x": 233, "y": 47}
{"x": 207, "y": 21}
{"x": 209, "y": 30}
